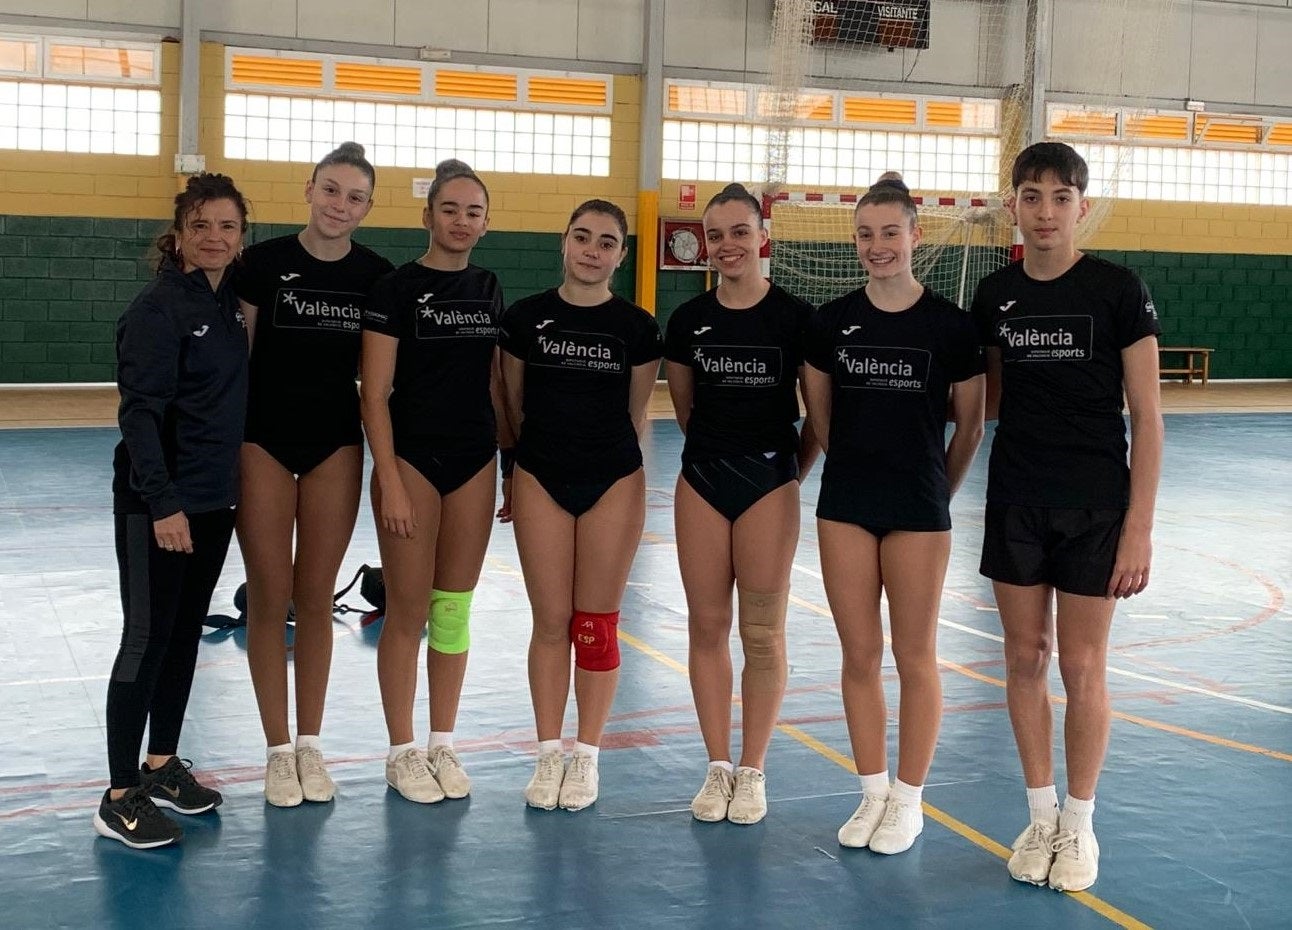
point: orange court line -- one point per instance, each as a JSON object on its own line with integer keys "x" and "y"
{"x": 1098, "y": 905}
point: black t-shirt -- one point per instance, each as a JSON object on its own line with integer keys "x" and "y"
{"x": 890, "y": 375}
{"x": 745, "y": 367}
{"x": 447, "y": 326}
{"x": 578, "y": 374}
{"x": 306, "y": 349}
{"x": 1060, "y": 438}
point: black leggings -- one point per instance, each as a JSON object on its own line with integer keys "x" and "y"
{"x": 165, "y": 597}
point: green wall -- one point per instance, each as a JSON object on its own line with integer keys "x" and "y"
{"x": 65, "y": 280}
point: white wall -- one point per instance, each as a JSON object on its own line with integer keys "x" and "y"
{"x": 1235, "y": 52}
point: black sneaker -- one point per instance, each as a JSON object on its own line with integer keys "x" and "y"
{"x": 134, "y": 819}
{"x": 174, "y": 786}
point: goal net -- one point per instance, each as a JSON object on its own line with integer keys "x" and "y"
{"x": 1114, "y": 49}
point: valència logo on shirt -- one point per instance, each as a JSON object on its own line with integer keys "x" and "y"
{"x": 883, "y": 368}
{"x": 578, "y": 351}
{"x": 738, "y": 366}
{"x": 318, "y": 310}
{"x": 1047, "y": 338}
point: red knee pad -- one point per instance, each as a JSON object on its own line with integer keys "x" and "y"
{"x": 596, "y": 646}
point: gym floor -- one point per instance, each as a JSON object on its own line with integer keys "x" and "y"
{"x": 1192, "y": 815}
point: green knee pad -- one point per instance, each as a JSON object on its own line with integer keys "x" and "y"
{"x": 450, "y": 618}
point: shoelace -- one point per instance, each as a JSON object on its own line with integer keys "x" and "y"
{"x": 443, "y": 757}
{"x": 580, "y": 767}
{"x": 137, "y": 806}
{"x": 867, "y": 806}
{"x": 309, "y": 762}
{"x": 414, "y": 765}
{"x": 177, "y": 770}
{"x": 714, "y": 783}
{"x": 1035, "y": 840}
{"x": 280, "y": 765}
{"x": 893, "y": 813}
{"x": 1066, "y": 840}
{"x": 747, "y": 787}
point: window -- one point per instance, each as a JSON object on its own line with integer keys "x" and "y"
{"x": 79, "y": 95}
{"x": 711, "y": 151}
{"x": 278, "y": 128}
{"x": 414, "y": 115}
{"x": 1142, "y": 172}
{"x": 835, "y": 139}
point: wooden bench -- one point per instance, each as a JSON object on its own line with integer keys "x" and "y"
{"x": 1197, "y": 362}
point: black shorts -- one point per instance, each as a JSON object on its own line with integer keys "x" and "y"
{"x": 300, "y": 458}
{"x": 1072, "y": 550}
{"x": 446, "y": 473}
{"x": 577, "y": 497}
{"x": 733, "y": 484}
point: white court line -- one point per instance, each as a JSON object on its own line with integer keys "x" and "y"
{"x": 1206, "y": 692}
{"x": 1125, "y": 673}
{"x": 808, "y": 571}
{"x": 1148, "y": 616}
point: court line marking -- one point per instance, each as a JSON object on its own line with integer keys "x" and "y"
{"x": 1112, "y": 670}
{"x": 959, "y": 827}
{"x": 1126, "y": 673}
{"x": 1117, "y": 714}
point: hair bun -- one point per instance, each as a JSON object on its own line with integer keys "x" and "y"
{"x": 891, "y": 179}
{"x": 349, "y": 150}
{"x": 736, "y": 190}
{"x": 453, "y": 168}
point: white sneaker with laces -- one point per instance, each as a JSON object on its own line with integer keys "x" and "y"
{"x": 409, "y": 776}
{"x": 579, "y": 789}
{"x": 316, "y": 783}
{"x": 896, "y": 833}
{"x": 1076, "y": 860}
{"x": 856, "y": 833}
{"x": 1032, "y": 856}
{"x": 282, "y": 786}
{"x": 710, "y": 805}
{"x": 748, "y": 797}
{"x": 448, "y": 771}
{"x": 544, "y": 788}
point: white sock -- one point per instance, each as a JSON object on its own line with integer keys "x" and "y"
{"x": 282, "y": 747}
{"x": 875, "y": 786}
{"x": 550, "y": 745}
{"x": 907, "y": 794}
{"x": 309, "y": 742}
{"x": 396, "y": 750}
{"x": 593, "y": 751}
{"x": 1078, "y": 814}
{"x": 1043, "y": 805}
{"x": 722, "y": 764}
{"x": 440, "y": 739}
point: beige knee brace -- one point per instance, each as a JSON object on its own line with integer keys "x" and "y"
{"x": 762, "y": 633}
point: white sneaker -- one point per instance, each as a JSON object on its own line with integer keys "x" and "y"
{"x": 896, "y": 833}
{"x": 710, "y": 805}
{"x": 748, "y": 797}
{"x": 316, "y": 783}
{"x": 856, "y": 833}
{"x": 1032, "y": 856}
{"x": 1076, "y": 860}
{"x": 448, "y": 771}
{"x": 544, "y": 788}
{"x": 409, "y": 776}
{"x": 579, "y": 789}
{"x": 282, "y": 786}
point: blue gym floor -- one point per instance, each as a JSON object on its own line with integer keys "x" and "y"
{"x": 1193, "y": 806}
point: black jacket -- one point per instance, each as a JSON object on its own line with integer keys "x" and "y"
{"x": 182, "y": 374}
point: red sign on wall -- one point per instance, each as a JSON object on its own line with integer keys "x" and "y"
{"x": 681, "y": 246}
{"x": 686, "y": 197}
